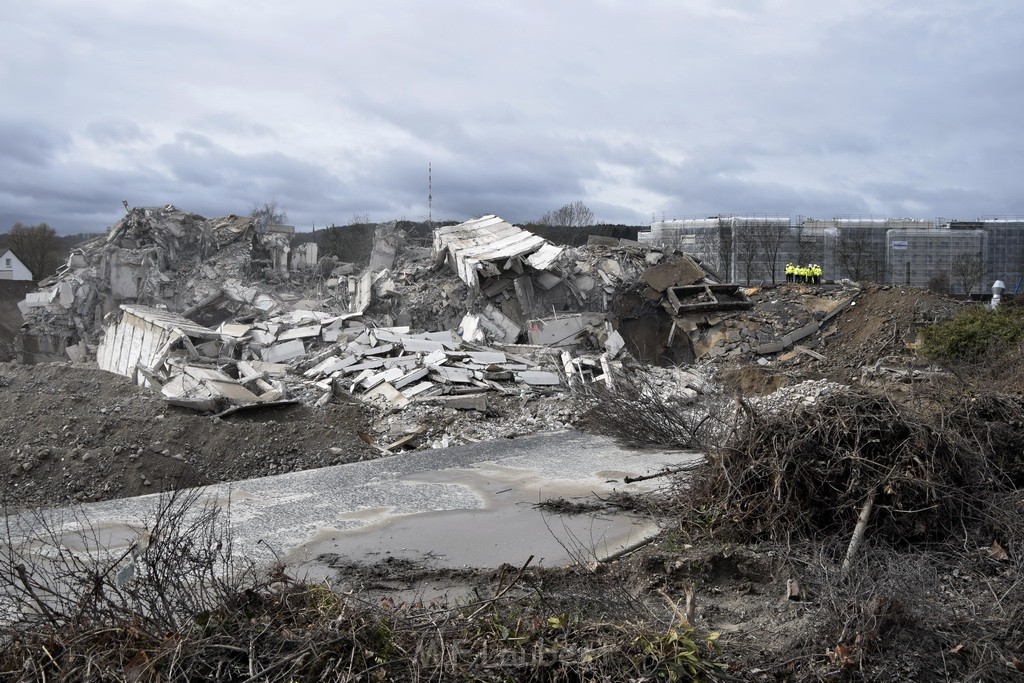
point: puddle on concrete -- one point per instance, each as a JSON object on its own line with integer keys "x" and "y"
{"x": 465, "y": 506}
{"x": 504, "y": 526}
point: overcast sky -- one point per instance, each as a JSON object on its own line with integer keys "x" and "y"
{"x": 639, "y": 108}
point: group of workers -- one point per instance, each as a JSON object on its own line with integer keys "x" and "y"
{"x": 808, "y": 275}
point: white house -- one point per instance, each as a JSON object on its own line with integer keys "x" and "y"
{"x": 11, "y": 268}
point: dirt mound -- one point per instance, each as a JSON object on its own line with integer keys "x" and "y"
{"x": 71, "y": 433}
{"x": 750, "y": 380}
{"x": 883, "y": 319}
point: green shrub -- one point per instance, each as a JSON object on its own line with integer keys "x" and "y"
{"x": 973, "y": 333}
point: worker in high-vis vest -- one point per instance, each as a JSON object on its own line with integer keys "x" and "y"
{"x": 790, "y": 271}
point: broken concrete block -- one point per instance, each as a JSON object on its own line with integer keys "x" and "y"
{"x": 232, "y": 391}
{"x": 410, "y": 377}
{"x": 653, "y": 257}
{"x": 435, "y": 358}
{"x": 236, "y": 291}
{"x": 77, "y": 352}
{"x": 268, "y": 369}
{"x": 384, "y": 285}
{"x": 279, "y": 353}
{"x": 385, "y": 245}
{"x": 567, "y": 330}
{"x": 306, "y": 332}
{"x": 477, "y": 402}
{"x": 384, "y": 376}
{"x": 489, "y": 324}
{"x": 422, "y": 389}
{"x": 614, "y": 343}
{"x": 680, "y": 270}
{"x": 611, "y": 267}
{"x": 67, "y": 293}
{"x": 486, "y": 357}
{"x": 539, "y": 378}
{"x": 771, "y": 347}
{"x": 484, "y": 246}
{"x": 262, "y": 337}
{"x": 371, "y": 364}
{"x": 34, "y": 300}
{"x": 421, "y": 345}
{"x": 390, "y": 335}
{"x": 381, "y": 350}
{"x": 585, "y": 283}
{"x": 607, "y": 372}
{"x": 404, "y": 362}
{"x": 450, "y": 374}
{"x": 389, "y": 393}
{"x": 802, "y": 333}
{"x": 234, "y": 330}
{"x": 142, "y": 335}
{"x": 329, "y": 365}
{"x": 544, "y": 257}
{"x": 546, "y": 280}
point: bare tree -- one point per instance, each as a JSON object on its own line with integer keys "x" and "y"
{"x": 807, "y": 250}
{"x": 725, "y": 243}
{"x": 770, "y": 236}
{"x": 351, "y": 243}
{"x": 940, "y": 283}
{"x": 857, "y": 256}
{"x": 967, "y": 270}
{"x": 36, "y": 246}
{"x": 269, "y": 213}
{"x": 707, "y": 246}
{"x": 747, "y": 253}
{"x": 574, "y": 215}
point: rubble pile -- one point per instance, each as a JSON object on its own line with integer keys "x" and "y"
{"x": 222, "y": 315}
{"x": 153, "y": 256}
{"x": 794, "y": 397}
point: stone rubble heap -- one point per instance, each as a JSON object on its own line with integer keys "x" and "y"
{"x": 222, "y": 314}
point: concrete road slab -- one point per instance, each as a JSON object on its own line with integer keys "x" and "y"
{"x": 472, "y": 505}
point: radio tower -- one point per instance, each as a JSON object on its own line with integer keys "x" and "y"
{"x": 430, "y": 195}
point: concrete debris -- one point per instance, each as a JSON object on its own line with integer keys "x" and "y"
{"x": 488, "y": 247}
{"x": 575, "y": 296}
{"x": 221, "y": 315}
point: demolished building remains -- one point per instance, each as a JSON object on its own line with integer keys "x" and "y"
{"x": 220, "y": 316}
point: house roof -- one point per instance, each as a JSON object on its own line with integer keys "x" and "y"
{"x": 10, "y": 254}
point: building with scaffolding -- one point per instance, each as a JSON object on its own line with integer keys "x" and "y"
{"x": 754, "y": 248}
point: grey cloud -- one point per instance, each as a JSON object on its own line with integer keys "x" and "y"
{"x": 792, "y": 107}
{"x": 233, "y": 123}
{"x": 116, "y": 132}
{"x": 30, "y": 143}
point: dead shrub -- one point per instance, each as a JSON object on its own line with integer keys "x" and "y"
{"x": 900, "y": 614}
{"x": 174, "y": 607}
{"x": 928, "y": 469}
{"x": 639, "y": 412}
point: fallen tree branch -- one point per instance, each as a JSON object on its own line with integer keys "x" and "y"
{"x": 860, "y": 529}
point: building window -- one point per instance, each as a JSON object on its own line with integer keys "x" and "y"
{"x": 8, "y": 266}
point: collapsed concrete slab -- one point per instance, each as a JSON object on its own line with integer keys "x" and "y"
{"x": 142, "y": 338}
{"x": 488, "y": 247}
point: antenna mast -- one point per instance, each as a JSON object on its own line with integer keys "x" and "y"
{"x": 430, "y": 194}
